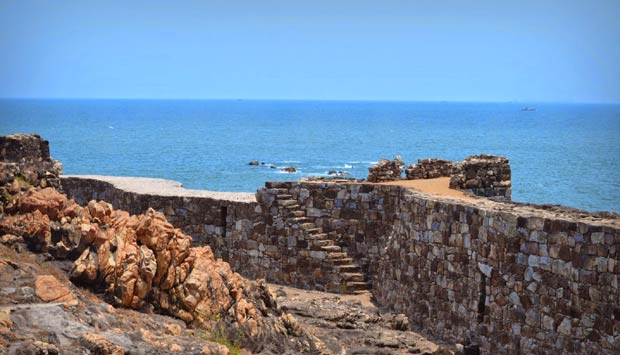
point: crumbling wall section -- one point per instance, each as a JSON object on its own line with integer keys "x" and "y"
{"x": 483, "y": 175}
{"x": 430, "y": 168}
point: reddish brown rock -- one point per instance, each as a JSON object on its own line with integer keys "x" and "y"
{"x": 100, "y": 345}
{"x": 48, "y": 289}
{"x": 143, "y": 262}
{"x": 48, "y": 201}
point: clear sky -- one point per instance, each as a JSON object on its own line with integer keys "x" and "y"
{"x": 523, "y": 50}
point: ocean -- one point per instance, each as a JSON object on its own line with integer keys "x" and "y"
{"x": 565, "y": 154}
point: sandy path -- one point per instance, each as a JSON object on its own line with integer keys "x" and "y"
{"x": 438, "y": 186}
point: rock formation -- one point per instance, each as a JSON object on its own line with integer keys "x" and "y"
{"x": 386, "y": 170}
{"x": 142, "y": 262}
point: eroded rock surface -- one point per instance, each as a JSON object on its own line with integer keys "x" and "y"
{"x": 352, "y": 324}
{"x": 142, "y": 262}
{"x": 41, "y": 312}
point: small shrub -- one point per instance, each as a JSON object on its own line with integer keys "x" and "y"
{"x": 23, "y": 182}
{"x": 219, "y": 335}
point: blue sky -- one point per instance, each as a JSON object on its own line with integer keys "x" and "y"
{"x": 523, "y": 50}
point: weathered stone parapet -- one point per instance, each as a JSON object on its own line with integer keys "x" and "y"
{"x": 27, "y": 158}
{"x": 483, "y": 175}
{"x": 386, "y": 170}
{"x": 501, "y": 275}
{"x": 429, "y": 169}
{"x": 512, "y": 278}
{"x": 210, "y": 218}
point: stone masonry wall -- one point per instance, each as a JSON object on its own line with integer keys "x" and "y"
{"x": 386, "y": 170}
{"x": 214, "y": 222}
{"x": 511, "y": 278}
{"x": 483, "y": 175}
{"x": 27, "y": 158}
{"x": 429, "y": 169}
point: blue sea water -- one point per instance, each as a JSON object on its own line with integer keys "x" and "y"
{"x": 561, "y": 153}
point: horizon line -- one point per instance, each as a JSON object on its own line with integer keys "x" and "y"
{"x": 307, "y": 100}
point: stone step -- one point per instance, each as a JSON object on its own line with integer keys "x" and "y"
{"x": 284, "y": 197}
{"x": 356, "y": 286}
{"x": 350, "y": 276}
{"x": 294, "y": 207}
{"x": 317, "y": 236}
{"x": 314, "y": 230}
{"x": 298, "y": 220}
{"x": 336, "y": 256}
{"x": 348, "y": 268}
{"x": 322, "y": 243}
{"x": 343, "y": 261}
{"x": 297, "y": 214}
{"x": 286, "y": 203}
{"x": 362, "y": 292}
{"x": 332, "y": 248}
{"x": 280, "y": 191}
{"x": 308, "y": 225}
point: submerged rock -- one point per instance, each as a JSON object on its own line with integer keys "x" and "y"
{"x": 290, "y": 169}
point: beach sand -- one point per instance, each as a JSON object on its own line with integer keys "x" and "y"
{"x": 438, "y": 186}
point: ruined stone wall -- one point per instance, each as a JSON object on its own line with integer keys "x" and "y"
{"x": 429, "y": 169}
{"x": 214, "y": 222}
{"x": 355, "y": 216}
{"x": 386, "y": 170}
{"x": 26, "y": 158}
{"x": 483, "y": 175}
{"x": 511, "y": 278}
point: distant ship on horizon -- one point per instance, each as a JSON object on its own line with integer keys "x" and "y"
{"x": 526, "y": 108}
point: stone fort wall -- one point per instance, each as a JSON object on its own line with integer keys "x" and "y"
{"x": 512, "y": 278}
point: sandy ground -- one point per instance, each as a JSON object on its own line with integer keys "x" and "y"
{"x": 439, "y": 186}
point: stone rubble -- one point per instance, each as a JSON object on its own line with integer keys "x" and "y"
{"x": 429, "y": 169}
{"x": 25, "y": 160}
{"x": 386, "y": 170}
{"x": 483, "y": 175}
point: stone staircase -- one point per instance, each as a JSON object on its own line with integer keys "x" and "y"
{"x": 350, "y": 279}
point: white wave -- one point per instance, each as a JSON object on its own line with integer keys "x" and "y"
{"x": 286, "y": 172}
{"x": 110, "y": 127}
{"x": 361, "y": 162}
{"x": 347, "y": 166}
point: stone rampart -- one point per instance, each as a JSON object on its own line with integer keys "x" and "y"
{"x": 511, "y": 278}
{"x": 211, "y": 218}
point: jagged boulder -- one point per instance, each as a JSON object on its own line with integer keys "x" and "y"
{"x": 143, "y": 262}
